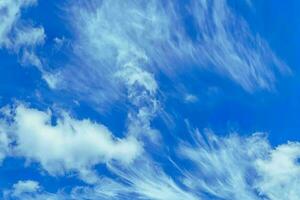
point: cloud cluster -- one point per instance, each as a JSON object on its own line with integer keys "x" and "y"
{"x": 209, "y": 167}
{"x": 212, "y": 167}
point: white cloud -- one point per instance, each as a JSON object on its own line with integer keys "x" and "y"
{"x": 151, "y": 37}
{"x": 280, "y": 172}
{"x": 236, "y": 167}
{"x": 142, "y": 180}
{"x": 22, "y": 187}
{"x": 70, "y": 144}
{"x": 29, "y": 190}
{"x": 224, "y": 167}
{"x": 190, "y": 98}
{"x": 18, "y": 35}
{"x": 114, "y": 49}
{"x": 4, "y": 144}
{"x": 211, "y": 167}
{"x": 229, "y": 45}
{"x": 118, "y": 55}
{"x": 4, "y": 137}
{"x": 230, "y": 168}
{"x": 51, "y": 79}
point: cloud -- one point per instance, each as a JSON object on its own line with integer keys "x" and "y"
{"x": 210, "y": 167}
{"x": 69, "y": 144}
{"x": 190, "y": 98}
{"x": 225, "y": 165}
{"x": 29, "y": 190}
{"x": 145, "y": 179}
{"x": 4, "y": 137}
{"x": 280, "y": 172}
{"x": 4, "y": 144}
{"x": 25, "y": 187}
{"x": 229, "y": 167}
{"x": 236, "y": 167}
{"x": 118, "y": 57}
{"x": 228, "y": 44}
{"x": 18, "y": 35}
{"x": 152, "y": 37}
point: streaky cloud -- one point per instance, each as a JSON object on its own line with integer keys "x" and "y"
{"x": 152, "y": 36}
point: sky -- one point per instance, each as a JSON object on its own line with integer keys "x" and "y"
{"x": 149, "y": 100}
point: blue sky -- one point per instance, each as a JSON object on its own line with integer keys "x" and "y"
{"x": 156, "y": 100}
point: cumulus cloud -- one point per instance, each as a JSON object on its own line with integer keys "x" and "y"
{"x": 69, "y": 144}
{"x": 25, "y": 187}
{"x": 29, "y": 190}
{"x": 280, "y": 172}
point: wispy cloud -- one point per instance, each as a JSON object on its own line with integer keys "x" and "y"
{"x": 152, "y": 36}
{"x": 226, "y": 42}
{"x": 18, "y": 35}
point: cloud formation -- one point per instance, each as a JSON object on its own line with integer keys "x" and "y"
{"x": 210, "y": 166}
{"x": 152, "y": 37}
{"x": 68, "y": 145}
{"x": 119, "y": 51}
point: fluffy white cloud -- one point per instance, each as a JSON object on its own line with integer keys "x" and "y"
{"x": 25, "y": 187}
{"x": 68, "y": 145}
{"x": 280, "y": 173}
{"x": 29, "y": 190}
